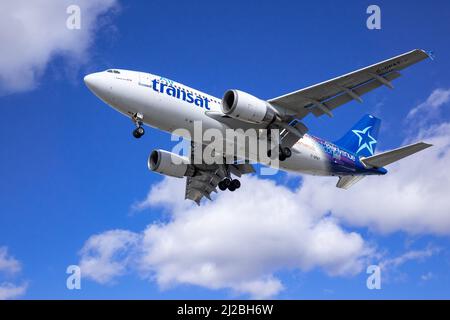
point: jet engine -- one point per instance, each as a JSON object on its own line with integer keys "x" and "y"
{"x": 169, "y": 164}
{"x": 243, "y": 106}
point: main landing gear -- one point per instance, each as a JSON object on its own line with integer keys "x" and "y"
{"x": 230, "y": 184}
{"x": 138, "y": 121}
{"x": 283, "y": 153}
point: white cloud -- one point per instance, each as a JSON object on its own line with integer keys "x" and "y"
{"x": 438, "y": 98}
{"x": 260, "y": 289}
{"x": 33, "y": 32}
{"x": 11, "y": 291}
{"x": 8, "y": 264}
{"x": 392, "y": 266}
{"x": 412, "y": 197}
{"x": 427, "y": 276}
{"x": 105, "y": 256}
{"x": 408, "y": 256}
{"x": 238, "y": 241}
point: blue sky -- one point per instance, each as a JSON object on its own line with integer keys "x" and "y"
{"x": 70, "y": 168}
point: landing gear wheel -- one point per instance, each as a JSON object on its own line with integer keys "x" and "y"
{"x": 137, "y": 119}
{"x": 231, "y": 188}
{"x": 138, "y": 132}
{"x": 284, "y": 153}
{"x": 287, "y": 152}
{"x": 235, "y": 183}
{"x": 224, "y": 184}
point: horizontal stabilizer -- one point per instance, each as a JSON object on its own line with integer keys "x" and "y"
{"x": 388, "y": 157}
{"x": 346, "y": 182}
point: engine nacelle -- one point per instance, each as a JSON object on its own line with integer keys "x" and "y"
{"x": 170, "y": 164}
{"x": 243, "y": 106}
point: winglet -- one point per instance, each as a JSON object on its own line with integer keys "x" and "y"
{"x": 430, "y": 54}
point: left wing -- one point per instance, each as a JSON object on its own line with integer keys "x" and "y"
{"x": 322, "y": 98}
{"x": 207, "y": 177}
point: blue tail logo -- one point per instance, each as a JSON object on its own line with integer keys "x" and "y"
{"x": 365, "y": 140}
{"x": 362, "y": 138}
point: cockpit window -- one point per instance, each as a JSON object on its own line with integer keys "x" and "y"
{"x": 113, "y": 71}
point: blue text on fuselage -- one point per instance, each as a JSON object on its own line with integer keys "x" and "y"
{"x": 167, "y": 87}
{"x": 335, "y": 151}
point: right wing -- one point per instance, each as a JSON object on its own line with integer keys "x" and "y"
{"x": 322, "y": 98}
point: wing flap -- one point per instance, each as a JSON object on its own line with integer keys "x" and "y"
{"x": 208, "y": 176}
{"x": 360, "y": 90}
{"x": 199, "y": 187}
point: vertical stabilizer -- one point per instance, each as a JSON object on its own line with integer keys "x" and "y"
{"x": 362, "y": 138}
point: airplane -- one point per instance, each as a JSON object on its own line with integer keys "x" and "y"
{"x": 167, "y": 105}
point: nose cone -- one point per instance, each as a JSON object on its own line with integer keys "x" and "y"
{"x": 93, "y": 81}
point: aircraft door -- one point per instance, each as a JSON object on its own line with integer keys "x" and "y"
{"x": 145, "y": 79}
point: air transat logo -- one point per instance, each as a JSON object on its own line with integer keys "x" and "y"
{"x": 167, "y": 86}
{"x": 366, "y": 141}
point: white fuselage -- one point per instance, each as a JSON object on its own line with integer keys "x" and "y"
{"x": 131, "y": 92}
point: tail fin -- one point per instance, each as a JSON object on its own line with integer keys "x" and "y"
{"x": 362, "y": 138}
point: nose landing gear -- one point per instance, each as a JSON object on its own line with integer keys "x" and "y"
{"x": 137, "y": 118}
{"x": 138, "y": 132}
